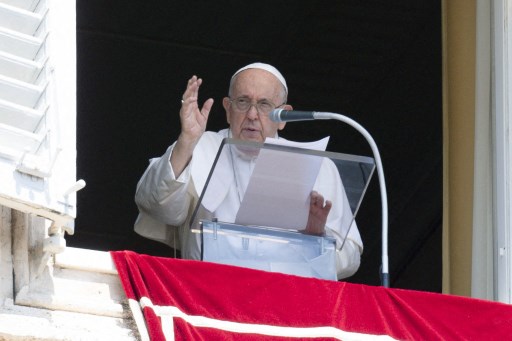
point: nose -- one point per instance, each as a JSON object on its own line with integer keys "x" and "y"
{"x": 252, "y": 113}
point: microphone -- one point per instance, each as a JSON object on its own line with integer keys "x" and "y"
{"x": 281, "y": 115}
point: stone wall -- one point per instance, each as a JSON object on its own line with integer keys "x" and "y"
{"x": 73, "y": 295}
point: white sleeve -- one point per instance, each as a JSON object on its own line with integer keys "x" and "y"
{"x": 162, "y": 196}
{"x": 348, "y": 259}
{"x": 340, "y": 222}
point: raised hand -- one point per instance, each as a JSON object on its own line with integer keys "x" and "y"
{"x": 193, "y": 124}
{"x": 193, "y": 119}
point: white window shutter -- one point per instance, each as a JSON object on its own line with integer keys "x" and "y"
{"x": 38, "y": 108}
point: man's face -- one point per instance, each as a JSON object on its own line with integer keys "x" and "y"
{"x": 253, "y": 85}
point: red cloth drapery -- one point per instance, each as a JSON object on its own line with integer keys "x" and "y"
{"x": 193, "y": 300}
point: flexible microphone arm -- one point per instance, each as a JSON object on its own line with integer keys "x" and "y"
{"x": 382, "y": 184}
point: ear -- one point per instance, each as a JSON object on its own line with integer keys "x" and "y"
{"x": 226, "y": 104}
{"x": 282, "y": 124}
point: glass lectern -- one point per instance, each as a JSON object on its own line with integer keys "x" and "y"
{"x": 255, "y": 203}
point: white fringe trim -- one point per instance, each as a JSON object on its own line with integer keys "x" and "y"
{"x": 167, "y": 313}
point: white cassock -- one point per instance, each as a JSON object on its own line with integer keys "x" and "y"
{"x": 166, "y": 203}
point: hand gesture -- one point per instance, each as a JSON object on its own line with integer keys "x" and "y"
{"x": 193, "y": 124}
{"x": 193, "y": 119}
{"x": 318, "y": 212}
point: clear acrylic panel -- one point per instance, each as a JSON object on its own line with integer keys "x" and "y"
{"x": 272, "y": 239}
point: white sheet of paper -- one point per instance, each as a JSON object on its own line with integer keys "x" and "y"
{"x": 278, "y": 192}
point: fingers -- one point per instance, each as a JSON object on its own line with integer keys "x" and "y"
{"x": 192, "y": 91}
{"x": 191, "y": 95}
{"x": 317, "y": 200}
{"x": 193, "y": 119}
{"x": 207, "y": 107}
{"x": 318, "y": 212}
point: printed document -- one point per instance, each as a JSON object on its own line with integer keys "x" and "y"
{"x": 280, "y": 186}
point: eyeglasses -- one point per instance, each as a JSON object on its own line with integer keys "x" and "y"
{"x": 264, "y": 107}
